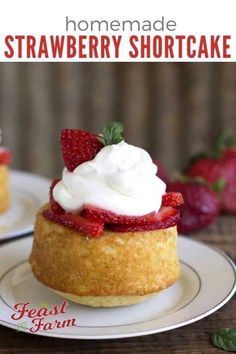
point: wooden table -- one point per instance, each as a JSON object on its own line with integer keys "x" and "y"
{"x": 192, "y": 339}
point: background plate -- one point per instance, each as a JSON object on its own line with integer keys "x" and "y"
{"x": 28, "y": 193}
{"x": 207, "y": 283}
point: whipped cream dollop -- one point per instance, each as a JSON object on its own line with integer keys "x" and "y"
{"x": 121, "y": 178}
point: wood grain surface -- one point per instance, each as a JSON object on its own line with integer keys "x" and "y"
{"x": 192, "y": 339}
{"x": 170, "y": 109}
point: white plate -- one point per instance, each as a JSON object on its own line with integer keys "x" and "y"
{"x": 28, "y": 193}
{"x": 207, "y": 283}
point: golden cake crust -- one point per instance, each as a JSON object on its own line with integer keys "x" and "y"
{"x": 105, "y": 301}
{"x": 116, "y": 264}
{"x": 4, "y": 190}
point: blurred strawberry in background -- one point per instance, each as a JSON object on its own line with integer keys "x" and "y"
{"x": 201, "y": 204}
{"x": 208, "y": 185}
{"x": 218, "y": 163}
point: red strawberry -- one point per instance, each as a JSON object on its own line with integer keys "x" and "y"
{"x": 166, "y": 217}
{"x": 78, "y": 146}
{"x": 173, "y": 199}
{"x": 106, "y": 216}
{"x": 219, "y": 163}
{"x": 5, "y": 156}
{"x": 200, "y": 208}
{"x": 76, "y": 222}
{"x": 214, "y": 169}
{"x": 54, "y": 205}
{"x": 161, "y": 172}
{"x": 230, "y": 153}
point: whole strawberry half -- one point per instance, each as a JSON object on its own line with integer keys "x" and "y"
{"x": 201, "y": 206}
{"x": 220, "y": 163}
{"x": 5, "y": 156}
{"x": 78, "y": 146}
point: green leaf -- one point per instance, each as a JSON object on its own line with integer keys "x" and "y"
{"x": 200, "y": 180}
{"x": 224, "y": 141}
{"x": 187, "y": 179}
{"x": 180, "y": 177}
{"x": 225, "y": 339}
{"x": 210, "y": 154}
{"x": 112, "y": 134}
{"x": 219, "y": 185}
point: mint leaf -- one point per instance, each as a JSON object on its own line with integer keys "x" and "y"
{"x": 225, "y": 339}
{"x": 112, "y": 134}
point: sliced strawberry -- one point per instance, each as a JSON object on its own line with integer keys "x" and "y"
{"x": 106, "y": 216}
{"x": 166, "y": 217}
{"x": 78, "y": 146}
{"x": 76, "y": 222}
{"x": 5, "y": 156}
{"x": 173, "y": 199}
{"x": 54, "y": 205}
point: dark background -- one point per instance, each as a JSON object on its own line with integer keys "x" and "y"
{"x": 170, "y": 109}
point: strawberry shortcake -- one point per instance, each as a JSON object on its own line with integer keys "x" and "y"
{"x": 108, "y": 235}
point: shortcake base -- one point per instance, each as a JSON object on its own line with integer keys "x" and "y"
{"x": 105, "y": 301}
{"x": 116, "y": 269}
